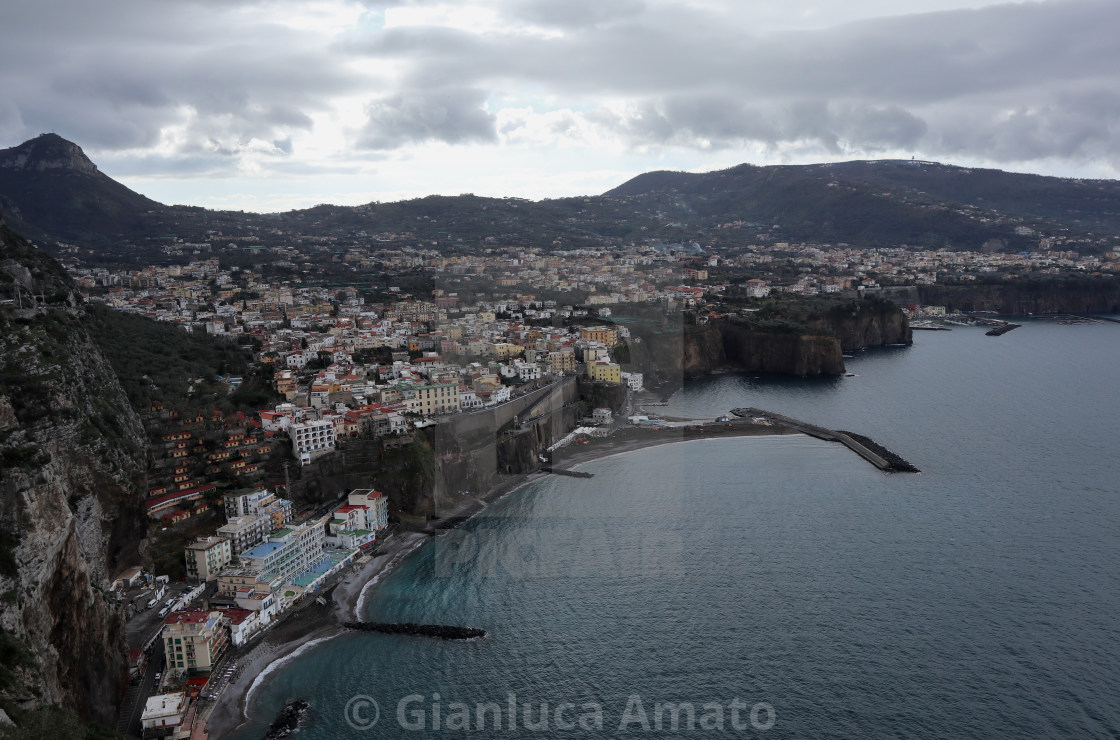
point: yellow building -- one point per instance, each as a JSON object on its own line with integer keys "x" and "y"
{"x": 605, "y": 371}
{"x": 602, "y": 334}
{"x": 563, "y": 361}
{"x": 428, "y": 400}
{"x": 505, "y": 350}
{"x": 195, "y": 641}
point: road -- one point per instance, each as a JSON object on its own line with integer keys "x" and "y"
{"x": 132, "y": 707}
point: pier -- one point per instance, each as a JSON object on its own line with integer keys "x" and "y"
{"x": 868, "y": 449}
{"x": 442, "y": 631}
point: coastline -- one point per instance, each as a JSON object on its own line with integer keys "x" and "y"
{"x": 315, "y": 624}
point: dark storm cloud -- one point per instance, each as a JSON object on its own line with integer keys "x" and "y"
{"x": 453, "y": 116}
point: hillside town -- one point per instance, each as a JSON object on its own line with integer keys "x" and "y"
{"x": 380, "y": 361}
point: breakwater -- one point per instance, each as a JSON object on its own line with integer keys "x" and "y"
{"x": 865, "y": 447}
{"x": 569, "y": 473}
{"x": 442, "y": 631}
{"x": 1001, "y": 329}
{"x": 288, "y": 720}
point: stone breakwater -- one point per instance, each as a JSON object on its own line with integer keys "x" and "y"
{"x": 442, "y": 631}
{"x": 288, "y": 720}
{"x": 868, "y": 449}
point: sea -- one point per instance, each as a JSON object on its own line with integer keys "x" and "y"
{"x": 781, "y": 587}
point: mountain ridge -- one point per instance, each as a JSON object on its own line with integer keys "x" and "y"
{"x": 50, "y": 191}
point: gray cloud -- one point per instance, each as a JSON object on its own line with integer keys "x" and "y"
{"x": 575, "y": 14}
{"x": 1015, "y": 82}
{"x": 865, "y": 87}
{"x": 451, "y": 116}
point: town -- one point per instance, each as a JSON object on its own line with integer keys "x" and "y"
{"x": 377, "y": 360}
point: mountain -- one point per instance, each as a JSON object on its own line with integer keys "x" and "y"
{"x": 888, "y": 202}
{"x": 49, "y": 189}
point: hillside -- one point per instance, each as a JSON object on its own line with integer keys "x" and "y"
{"x": 51, "y": 191}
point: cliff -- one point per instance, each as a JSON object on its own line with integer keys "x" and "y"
{"x": 805, "y": 340}
{"x": 473, "y": 452}
{"x": 1033, "y": 296}
{"x": 70, "y": 496}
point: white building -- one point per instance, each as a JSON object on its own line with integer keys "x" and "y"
{"x": 288, "y": 552}
{"x": 377, "y": 504}
{"x": 312, "y": 439}
{"x": 468, "y": 399}
{"x": 633, "y": 380}
{"x": 164, "y": 713}
{"x": 245, "y": 532}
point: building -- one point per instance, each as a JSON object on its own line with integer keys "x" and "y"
{"x": 377, "y": 504}
{"x": 163, "y": 714}
{"x": 603, "y": 334}
{"x": 194, "y": 641}
{"x": 206, "y": 556}
{"x": 633, "y": 380}
{"x": 263, "y": 503}
{"x": 288, "y": 552}
{"x": 311, "y": 439}
{"x": 605, "y": 371}
{"x": 245, "y": 532}
{"x": 233, "y": 582}
{"x": 562, "y": 361}
{"x": 429, "y": 400}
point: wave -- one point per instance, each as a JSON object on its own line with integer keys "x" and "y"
{"x": 276, "y": 664}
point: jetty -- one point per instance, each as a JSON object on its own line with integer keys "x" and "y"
{"x": 1001, "y": 329}
{"x": 442, "y": 631}
{"x": 867, "y": 448}
{"x": 569, "y": 473}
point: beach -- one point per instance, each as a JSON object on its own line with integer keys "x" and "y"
{"x": 314, "y": 623}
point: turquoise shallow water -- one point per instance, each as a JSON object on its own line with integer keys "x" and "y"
{"x": 785, "y": 575}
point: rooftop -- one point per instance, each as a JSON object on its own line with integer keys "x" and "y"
{"x": 263, "y": 550}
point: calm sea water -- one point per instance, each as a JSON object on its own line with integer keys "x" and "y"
{"x": 784, "y": 576}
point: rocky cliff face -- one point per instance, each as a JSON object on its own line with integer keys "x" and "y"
{"x": 46, "y": 153}
{"x": 1087, "y": 295}
{"x": 670, "y": 355}
{"x": 792, "y": 354}
{"x": 70, "y": 495}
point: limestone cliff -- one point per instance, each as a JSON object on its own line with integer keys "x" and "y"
{"x": 70, "y": 494}
{"x": 806, "y": 345}
{"x": 1022, "y": 297}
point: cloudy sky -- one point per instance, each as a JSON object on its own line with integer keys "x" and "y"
{"x": 266, "y": 105}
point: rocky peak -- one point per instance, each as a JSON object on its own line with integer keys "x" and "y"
{"x": 44, "y": 153}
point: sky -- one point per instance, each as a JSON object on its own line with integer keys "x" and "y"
{"x": 268, "y": 105}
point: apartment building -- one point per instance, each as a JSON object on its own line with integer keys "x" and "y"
{"x": 312, "y": 439}
{"x": 194, "y": 641}
{"x": 206, "y": 556}
{"x": 245, "y": 532}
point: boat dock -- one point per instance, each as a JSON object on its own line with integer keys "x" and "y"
{"x": 868, "y": 449}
